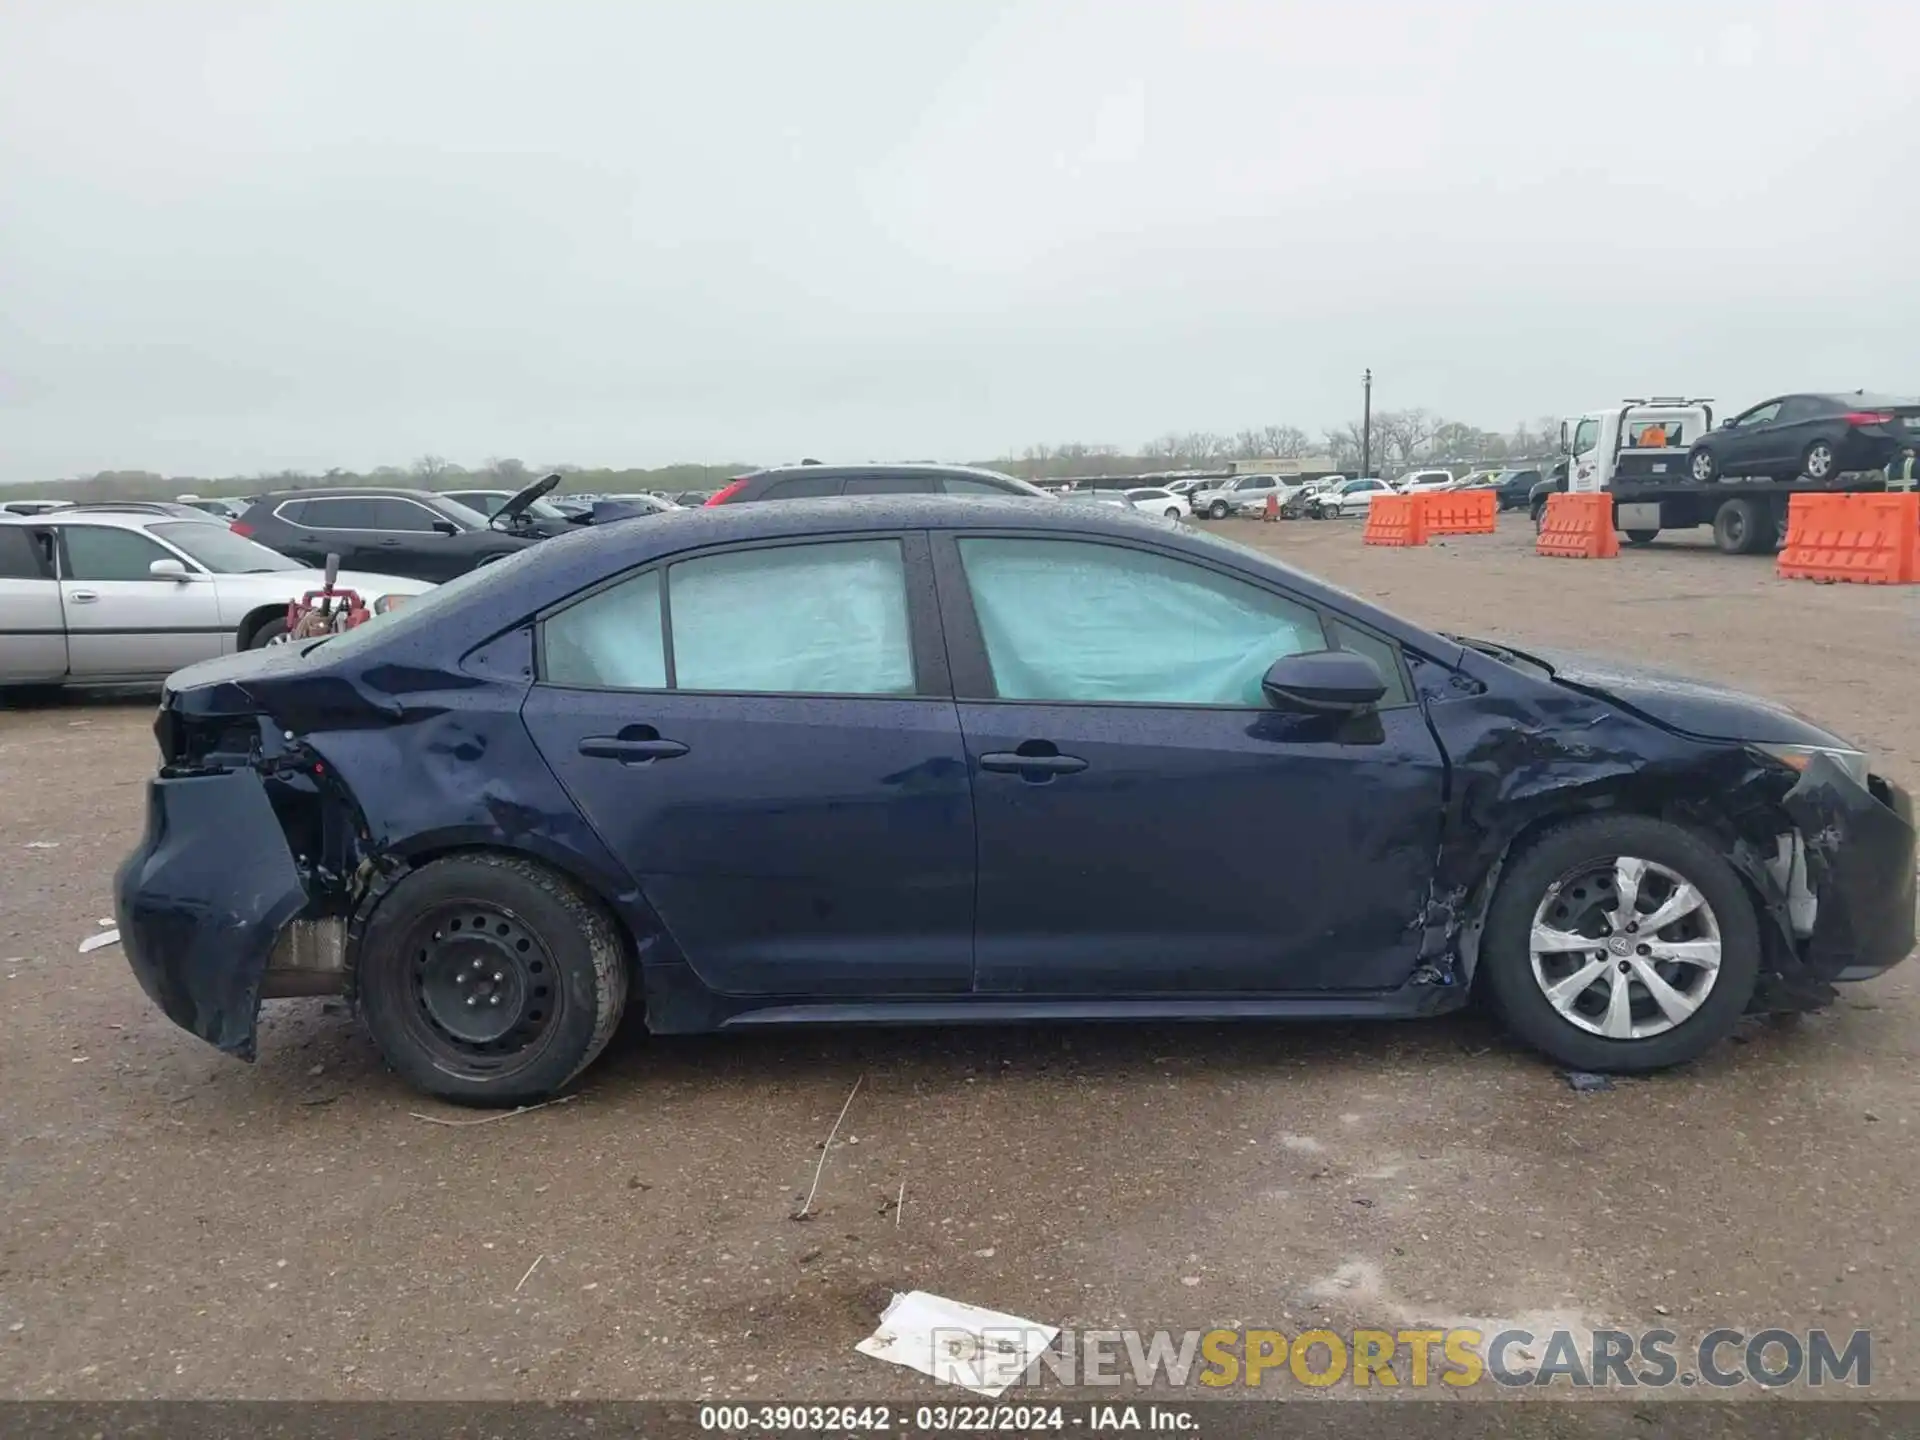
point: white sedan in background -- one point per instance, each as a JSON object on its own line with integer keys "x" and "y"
{"x": 95, "y": 595}
{"x": 1350, "y": 498}
{"x": 1150, "y": 500}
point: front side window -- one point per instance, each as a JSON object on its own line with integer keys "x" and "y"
{"x": 341, "y": 513}
{"x": 1585, "y": 436}
{"x": 1078, "y": 621}
{"x": 821, "y": 619}
{"x": 1760, "y": 415}
{"x": 95, "y": 552}
{"x": 20, "y": 555}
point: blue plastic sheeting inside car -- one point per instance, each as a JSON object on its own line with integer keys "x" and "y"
{"x": 1076, "y": 621}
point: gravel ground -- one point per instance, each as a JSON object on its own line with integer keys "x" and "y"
{"x": 173, "y": 1223}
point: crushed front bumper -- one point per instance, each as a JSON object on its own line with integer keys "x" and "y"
{"x": 1859, "y": 843}
{"x": 202, "y": 899}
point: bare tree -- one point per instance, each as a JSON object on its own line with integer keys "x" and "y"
{"x": 1201, "y": 446}
{"x": 429, "y": 470}
{"x": 1284, "y": 442}
{"x": 1403, "y": 437}
{"x": 508, "y": 473}
{"x": 1344, "y": 445}
{"x": 1249, "y": 445}
{"x": 1166, "y": 448}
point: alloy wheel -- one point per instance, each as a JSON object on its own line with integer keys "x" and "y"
{"x": 1625, "y": 948}
{"x": 1703, "y": 467}
{"x": 1819, "y": 461}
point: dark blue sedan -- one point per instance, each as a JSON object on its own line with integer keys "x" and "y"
{"x": 931, "y": 759}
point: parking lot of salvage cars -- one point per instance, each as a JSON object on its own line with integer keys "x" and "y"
{"x": 176, "y": 1223}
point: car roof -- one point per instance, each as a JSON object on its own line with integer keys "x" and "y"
{"x": 349, "y": 492}
{"x": 1853, "y": 399}
{"x": 110, "y": 515}
{"x": 878, "y": 467}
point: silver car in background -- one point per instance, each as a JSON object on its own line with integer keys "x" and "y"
{"x": 104, "y": 595}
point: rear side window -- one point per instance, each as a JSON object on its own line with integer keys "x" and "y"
{"x": 892, "y": 485}
{"x": 803, "y": 487}
{"x": 20, "y": 555}
{"x": 821, "y": 619}
{"x": 338, "y": 513}
{"x": 963, "y": 485}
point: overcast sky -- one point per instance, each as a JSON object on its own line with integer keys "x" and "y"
{"x": 244, "y": 236}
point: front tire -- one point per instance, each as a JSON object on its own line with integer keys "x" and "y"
{"x": 1173, "y": 512}
{"x": 1642, "y": 537}
{"x": 1702, "y": 466}
{"x": 1218, "y": 510}
{"x": 1620, "y": 943}
{"x": 490, "y": 980}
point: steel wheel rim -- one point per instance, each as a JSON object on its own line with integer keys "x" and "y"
{"x": 1625, "y": 948}
{"x": 480, "y": 990}
{"x": 1703, "y": 467}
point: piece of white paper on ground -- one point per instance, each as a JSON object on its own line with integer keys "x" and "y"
{"x": 981, "y": 1350}
{"x": 99, "y": 940}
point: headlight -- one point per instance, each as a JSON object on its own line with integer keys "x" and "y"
{"x": 1798, "y": 757}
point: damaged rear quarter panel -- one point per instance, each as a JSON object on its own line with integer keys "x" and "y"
{"x": 438, "y": 759}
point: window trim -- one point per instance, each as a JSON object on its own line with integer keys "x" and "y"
{"x": 432, "y": 513}
{"x": 931, "y": 678}
{"x": 973, "y": 671}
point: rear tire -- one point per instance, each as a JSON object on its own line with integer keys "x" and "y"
{"x": 1739, "y": 528}
{"x": 486, "y": 979}
{"x": 1173, "y": 512}
{"x": 1817, "y": 463}
{"x": 270, "y": 632}
{"x": 1549, "y": 889}
{"x": 1642, "y": 537}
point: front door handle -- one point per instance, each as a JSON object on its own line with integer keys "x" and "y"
{"x": 1034, "y": 759}
{"x": 83, "y": 597}
{"x": 635, "y": 745}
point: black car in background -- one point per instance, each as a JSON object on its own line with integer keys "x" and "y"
{"x": 415, "y": 533}
{"x": 812, "y": 482}
{"x": 1818, "y": 436}
{"x": 541, "y": 517}
{"x": 1515, "y": 488}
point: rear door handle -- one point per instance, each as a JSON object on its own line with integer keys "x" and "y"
{"x": 83, "y": 597}
{"x": 631, "y": 750}
{"x": 1034, "y": 764}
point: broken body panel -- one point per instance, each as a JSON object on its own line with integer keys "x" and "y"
{"x": 326, "y": 772}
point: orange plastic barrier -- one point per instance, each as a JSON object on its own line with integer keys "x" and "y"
{"x": 1460, "y": 512}
{"x": 1395, "y": 520}
{"x": 1578, "y": 527}
{"x": 1864, "y": 539}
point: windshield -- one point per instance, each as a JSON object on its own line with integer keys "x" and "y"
{"x": 221, "y": 551}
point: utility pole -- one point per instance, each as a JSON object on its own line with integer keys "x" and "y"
{"x": 1366, "y": 423}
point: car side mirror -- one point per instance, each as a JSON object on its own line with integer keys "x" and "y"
{"x": 1324, "y": 682}
{"x": 445, "y": 527}
{"x": 1727, "y": 424}
{"x": 169, "y": 570}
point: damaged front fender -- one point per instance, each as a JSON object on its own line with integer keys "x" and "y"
{"x": 198, "y": 921}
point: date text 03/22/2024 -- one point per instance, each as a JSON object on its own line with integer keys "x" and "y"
{"x": 944, "y": 1419}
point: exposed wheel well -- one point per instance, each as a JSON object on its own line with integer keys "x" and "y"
{"x": 583, "y": 882}
{"x": 255, "y": 618}
{"x": 1687, "y": 812}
